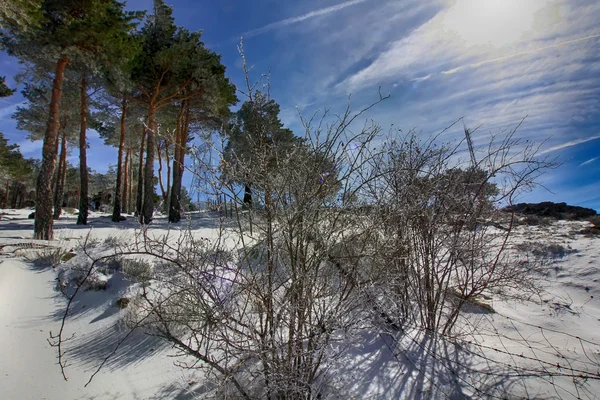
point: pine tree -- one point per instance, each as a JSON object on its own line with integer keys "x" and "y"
{"x": 256, "y": 138}
{"x": 207, "y": 103}
{"x": 33, "y": 117}
{"x": 5, "y": 91}
{"x": 172, "y": 68}
{"x": 69, "y": 30}
{"x": 14, "y": 170}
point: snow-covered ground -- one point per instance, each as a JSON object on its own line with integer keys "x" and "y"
{"x": 556, "y": 332}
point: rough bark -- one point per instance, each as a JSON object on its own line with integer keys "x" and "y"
{"x": 178, "y": 163}
{"x": 148, "y": 201}
{"x": 43, "y": 194}
{"x": 160, "y": 168}
{"x": 130, "y": 191}
{"x": 247, "y": 195}
{"x": 5, "y": 201}
{"x": 60, "y": 178}
{"x": 125, "y": 194}
{"x": 55, "y": 177}
{"x": 140, "y": 187}
{"x": 83, "y": 172}
{"x": 116, "y": 217}
{"x": 168, "y": 162}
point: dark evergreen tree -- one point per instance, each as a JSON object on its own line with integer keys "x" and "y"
{"x": 67, "y": 30}
{"x": 256, "y": 139}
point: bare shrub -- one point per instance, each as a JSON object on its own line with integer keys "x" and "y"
{"x": 47, "y": 256}
{"x": 545, "y": 251}
{"x": 137, "y": 270}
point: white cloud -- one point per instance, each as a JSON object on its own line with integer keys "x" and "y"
{"x": 300, "y": 18}
{"x": 588, "y": 161}
{"x": 451, "y": 41}
{"x": 570, "y": 144}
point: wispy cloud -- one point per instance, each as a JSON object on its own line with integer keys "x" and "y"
{"x": 300, "y": 18}
{"x": 570, "y": 144}
{"x": 523, "y": 53}
{"x": 421, "y": 78}
{"x": 6, "y": 112}
{"x": 588, "y": 161}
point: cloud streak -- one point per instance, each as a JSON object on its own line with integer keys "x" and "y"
{"x": 588, "y": 161}
{"x": 523, "y": 53}
{"x": 300, "y": 18}
{"x": 570, "y": 144}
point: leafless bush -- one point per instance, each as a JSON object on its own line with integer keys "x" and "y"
{"x": 436, "y": 216}
{"x": 345, "y": 228}
{"x": 48, "y": 256}
{"x": 544, "y": 251}
{"x": 137, "y": 270}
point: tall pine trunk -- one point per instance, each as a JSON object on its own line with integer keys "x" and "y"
{"x": 148, "y": 203}
{"x": 140, "y": 187}
{"x": 130, "y": 188}
{"x": 60, "y": 177}
{"x": 178, "y": 163}
{"x": 5, "y": 200}
{"x": 83, "y": 172}
{"x": 125, "y": 194}
{"x": 168, "y": 162}
{"x": 55, "y": 176}
{"x": 116, "y": 217}
{"x": 160, "y": 169}
{"x": 43, "y": 193}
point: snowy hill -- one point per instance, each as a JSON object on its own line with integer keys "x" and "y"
{"x": 544, "y": 346}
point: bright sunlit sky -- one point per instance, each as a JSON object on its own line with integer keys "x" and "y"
{"x": 492, "y": 62}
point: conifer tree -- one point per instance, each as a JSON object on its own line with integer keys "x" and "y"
{"x": 68, "y": 30}
{"x": 255, "y": 137}
{"x": 173, "y": 67}
{"x": 5, "y": 91}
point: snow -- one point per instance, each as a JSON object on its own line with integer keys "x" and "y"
{"x": 30, "y": 308}
{"x": 560, "y": 325}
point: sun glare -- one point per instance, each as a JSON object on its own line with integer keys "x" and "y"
{"x": 495, "y": 23}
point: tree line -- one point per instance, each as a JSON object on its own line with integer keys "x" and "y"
{"x": 144, "y": 83}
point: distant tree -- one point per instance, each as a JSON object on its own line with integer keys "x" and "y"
{"x": 174, "y": 67}
{"x": 33, "y": 116}
{"x": 15, "y": 171}
{"x": 207, "y": 104}
{"x": 256, "y": 138}
{"x": 5, "y": 91}
{"x": 19, "y": 13}
{"x": 69, "y": 30}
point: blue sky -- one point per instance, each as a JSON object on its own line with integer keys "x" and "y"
{"x": 492, "y": 62}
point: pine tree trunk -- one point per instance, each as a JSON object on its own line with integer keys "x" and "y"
{"x": 148, "y": 203}
{"x": 140, "y": 187}
{"x": 83, "y": 172}
{"x": 130, "y": 199}
{"x": 125, "y": 194}
{"x": 13, "y": 198}
{"x": 160, "y": 168}
{"x": 247, "y": 195}
{"x": 20, "y": 195}
{"x": 178, "y": 164}
{"x": 5, "y": 201}
{"x": 169, "y": 188}
{"x": 60, "y": 178}
{"x": 55, "y": 176}
{"x": 116, "y": 217}
{"x": 43, "y": 194}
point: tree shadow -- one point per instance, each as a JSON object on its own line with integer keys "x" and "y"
{"x": 417, "y": 365}
{"x": 189, "y": 391}
{"x": 92, "y": 349}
